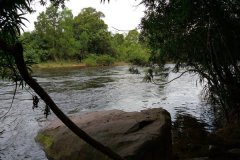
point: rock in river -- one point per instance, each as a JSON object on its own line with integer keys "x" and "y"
{"x": 144, "y": 135}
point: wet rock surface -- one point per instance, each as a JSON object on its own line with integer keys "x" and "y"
{"x": 144, "y": 135}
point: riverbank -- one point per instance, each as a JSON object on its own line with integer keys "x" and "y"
{"x": 140, "y": 136}
{"x": 70, "y": 64}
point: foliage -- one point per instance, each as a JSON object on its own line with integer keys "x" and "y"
{"x": 130, "y": 49}
{"x": 11, "y": 16}
{"x": 105, "y": 60}
{"x": 138, "y": 56}
{"x": 202, "y": 36}
{"x": 60, "y": 36}
{"x": 90, "y": 60}
{"x": 55, "y": 32}
{"x": 10, "y": 25}
{"x": 91, "y": 32}
{"x": 102, "y": 60}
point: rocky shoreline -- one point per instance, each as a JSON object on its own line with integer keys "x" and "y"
{"x": 145, "y": 135}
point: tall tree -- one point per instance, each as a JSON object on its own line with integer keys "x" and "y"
{"x": 90, "y": 21}
{"x": 91, "y": 32}
{"x": 11, "y": 52}
{"x": 47, "y": 27}
{"x": 202, "y": 36}
{"x": 55, "y": 31}
{"x": 67, "y": 42}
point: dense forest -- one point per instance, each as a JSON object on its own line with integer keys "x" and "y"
{"x": 59, "y": 36}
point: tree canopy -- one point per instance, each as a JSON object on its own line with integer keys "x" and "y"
{"x": 202, "y": 36}
{"x": 54, "y": 34}
{"x": 58, "y": 35}
{"x": 91, "y": 29}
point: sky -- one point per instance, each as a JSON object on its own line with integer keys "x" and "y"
{"x": 119, "y": 14}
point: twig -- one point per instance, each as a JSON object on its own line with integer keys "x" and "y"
{"x": 28, "y": 91}
{"x": 15, "y": 90}
{"x": 9, "y": 124}
{"x": 121, "y": 30}
{"x": 170, "y": 80}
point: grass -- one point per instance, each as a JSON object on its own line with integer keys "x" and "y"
{"x": 88, "y": 62}
{"x": 58, "y": 64}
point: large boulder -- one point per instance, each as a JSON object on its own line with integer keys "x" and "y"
{"x": 144, "y": 135}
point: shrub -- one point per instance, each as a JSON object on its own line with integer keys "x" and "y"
{"x": 105, "y": 60}
{"x": 101, "y": 60}
{"x": 90, "y": 60}
{"x": 139, "y": 58}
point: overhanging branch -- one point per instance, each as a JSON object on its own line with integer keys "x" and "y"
{"x": 17, "y": 52}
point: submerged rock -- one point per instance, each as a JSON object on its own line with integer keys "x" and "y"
{"x": 144, "y": 135}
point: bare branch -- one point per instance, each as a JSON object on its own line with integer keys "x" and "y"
{"x": 14, "y": 93}
{"x": 170, "y": 80}
{"x": 19, "y": 60}
{"x": 121, "y": 30}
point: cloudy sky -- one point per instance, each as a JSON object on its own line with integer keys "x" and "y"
{"x": 120, "y": 14}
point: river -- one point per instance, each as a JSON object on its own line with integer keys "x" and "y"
{"x": 82, "y": 90}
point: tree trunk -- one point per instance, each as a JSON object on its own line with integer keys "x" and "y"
{"x": 19, "y": 60}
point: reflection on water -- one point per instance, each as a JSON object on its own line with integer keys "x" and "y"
{"x": 190, "y": 138}
{"x": 81, "y": 90}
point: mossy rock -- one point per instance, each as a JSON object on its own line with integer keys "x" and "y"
{"x": 144, "y": 135}
{"x": 45, "y": 140}
{"x": 69, "y": 147}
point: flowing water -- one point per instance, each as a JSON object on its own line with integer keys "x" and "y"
{"x": 78, "y": 90}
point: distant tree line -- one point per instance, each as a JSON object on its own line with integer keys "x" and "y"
{"x": 58, "y": 35}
